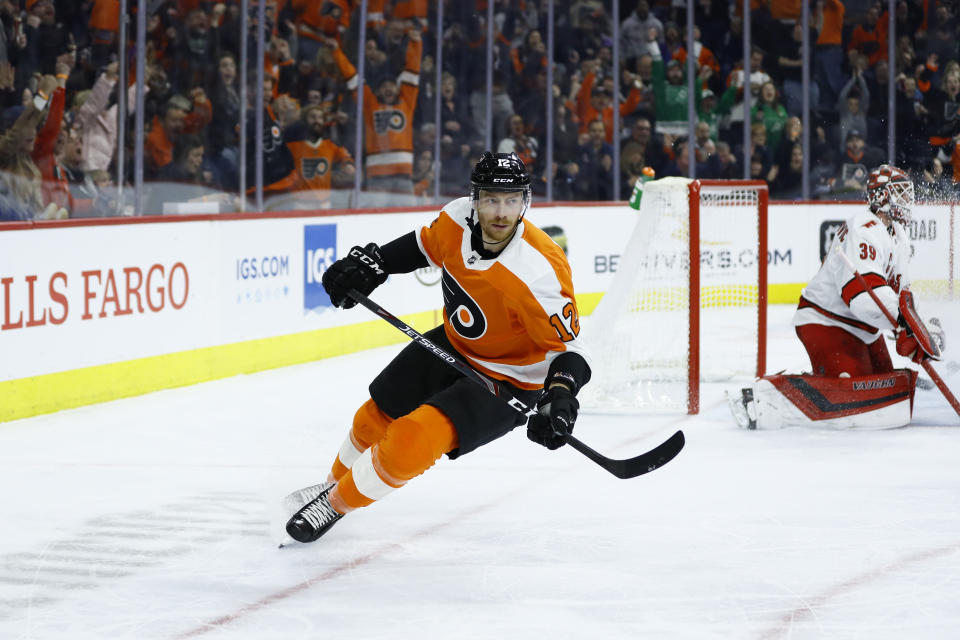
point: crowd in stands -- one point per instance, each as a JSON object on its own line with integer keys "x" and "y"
{"x": 59, "y": 77}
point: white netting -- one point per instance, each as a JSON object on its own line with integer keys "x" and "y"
{"x": 639, "y": 334}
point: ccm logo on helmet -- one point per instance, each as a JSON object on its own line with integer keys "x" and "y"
{"x": 503, "y": 179}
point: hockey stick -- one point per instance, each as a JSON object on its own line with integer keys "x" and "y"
{"x": 629, "y": 468}
{"x": 925, "y": 362}
{"x": 952, "y": 367}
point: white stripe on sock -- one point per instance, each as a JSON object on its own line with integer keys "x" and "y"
{"x": 368, "y": 481}
{"x": 348, "y": 453}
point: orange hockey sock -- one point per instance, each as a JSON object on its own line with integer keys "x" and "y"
{"x": 409, "y": 447}
{"x": 369, "y": 425}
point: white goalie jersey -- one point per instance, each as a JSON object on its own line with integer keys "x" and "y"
{"x": 836, "y": 297}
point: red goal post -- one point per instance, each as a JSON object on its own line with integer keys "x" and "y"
{"x": 696, "y": 188}
{"x": 688, "y": 303}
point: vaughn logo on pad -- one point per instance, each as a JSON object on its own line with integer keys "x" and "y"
{"x": 874, "y": 384}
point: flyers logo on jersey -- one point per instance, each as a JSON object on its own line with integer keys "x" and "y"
{"x": 463, "y": 312}
{"x": 385, "y": 120}
{"x": 311, "y": 167}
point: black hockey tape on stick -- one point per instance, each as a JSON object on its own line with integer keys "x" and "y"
{"x": 629, "y": 468}
{"x": 925, "y": 363}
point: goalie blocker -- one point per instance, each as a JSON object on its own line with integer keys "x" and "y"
{"x": 878, "y": 401}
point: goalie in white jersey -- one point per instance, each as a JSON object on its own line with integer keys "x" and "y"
{"x": 841, "y": 325}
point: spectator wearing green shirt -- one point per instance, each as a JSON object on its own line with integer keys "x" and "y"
{"x": 669, "y": 90}
{"x": 716, "y": 112}
{"x": 771, "y": 113}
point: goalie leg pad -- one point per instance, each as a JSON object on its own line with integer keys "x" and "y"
{"x": 880, "y": 401}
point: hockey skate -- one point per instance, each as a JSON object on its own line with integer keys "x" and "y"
{"x": 314, "y": 519}
{"x": 292, "y": 502}
{"x": 744, "y": 409}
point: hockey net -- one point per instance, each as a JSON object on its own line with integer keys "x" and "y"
{"x": 688, "y": 302}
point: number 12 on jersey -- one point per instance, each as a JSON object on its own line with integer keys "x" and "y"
{"x": 571, "y": 328}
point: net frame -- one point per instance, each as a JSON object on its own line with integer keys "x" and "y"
{"x": 695, "y": 189}
{"x": 666, "y": 376}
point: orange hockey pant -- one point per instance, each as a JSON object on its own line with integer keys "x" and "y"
{"x": 381, "y": 455}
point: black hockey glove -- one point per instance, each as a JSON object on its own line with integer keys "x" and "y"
{"x": 557, "y": 413}
{"x": 361, "y": 269}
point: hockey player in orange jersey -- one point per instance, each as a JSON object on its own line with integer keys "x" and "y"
{"x": 509, "y": 311}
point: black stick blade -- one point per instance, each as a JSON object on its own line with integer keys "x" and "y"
{"x": 636, "y": 466}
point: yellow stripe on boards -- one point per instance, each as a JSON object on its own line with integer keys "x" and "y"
{"x": 51, "y": 392}
{"x": 36, "y": 395}
{"x": 784, "y": 293}
{"x": 712, "y": 296}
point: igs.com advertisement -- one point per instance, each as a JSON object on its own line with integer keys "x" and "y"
{"x": 320, "y": 251}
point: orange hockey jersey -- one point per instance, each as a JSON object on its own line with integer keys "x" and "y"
{"x": 388, "y": 128}
{"x": 511, "y": 315}
{"x": 316, "y": 18}
{"x": 314, "y": 163}
{"x": 105, "y": 15}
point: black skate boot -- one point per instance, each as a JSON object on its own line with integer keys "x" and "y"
{"x": 314, "y": 519}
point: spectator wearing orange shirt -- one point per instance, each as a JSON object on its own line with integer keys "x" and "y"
{"x": 410, "y": 10}
{"x": 388, "y": 122}
{"x": 104, "y": 24}
{"x": 320, "y": 19}
{"x": 828, "y": 53}
{"x": 175, "y": 120}
{"x": 595, "y": 102}
{"x": 868, "y": 39}
{"x": 786, "y": 9}
{"x": 320, "y": 164}
{"x": 704, "y": 55}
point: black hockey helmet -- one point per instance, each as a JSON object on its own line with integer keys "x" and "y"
{"x": 499, "y": 172}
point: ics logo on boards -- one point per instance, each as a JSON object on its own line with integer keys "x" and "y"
{"x": 320, "y": 251}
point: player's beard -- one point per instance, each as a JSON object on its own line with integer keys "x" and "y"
{"x": 496, "y": 231}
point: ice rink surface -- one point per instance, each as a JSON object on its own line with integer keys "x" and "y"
{"x": 155, "y": 517}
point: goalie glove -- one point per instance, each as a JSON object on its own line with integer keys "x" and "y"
{"x": 362, "y": 269}
{"x": 915, "y": 341}
{"x": 908, "y": 347}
